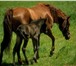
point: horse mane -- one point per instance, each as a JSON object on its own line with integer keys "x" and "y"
{"x": 55, "y": 12}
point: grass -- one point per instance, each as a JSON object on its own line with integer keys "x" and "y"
{"x": 65, "y": 51}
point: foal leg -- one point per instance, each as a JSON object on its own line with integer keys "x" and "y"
{"x": 17, "y": 49}
{"x": 49, "y": 33}
{"x": 35, "y": 46}
{"x": 24, "y": 49}
{"x": 37, "y": 56}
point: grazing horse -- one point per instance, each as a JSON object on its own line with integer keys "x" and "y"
{"x": 16, "y": 16}
{"x": 33, "y": 31}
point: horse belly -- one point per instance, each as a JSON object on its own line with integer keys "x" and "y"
{"x": 20, "y": 16}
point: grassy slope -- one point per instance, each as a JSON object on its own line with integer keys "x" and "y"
{"x": 65, "y": 52}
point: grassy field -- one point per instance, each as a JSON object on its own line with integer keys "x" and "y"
{"x": 65, "y": 51}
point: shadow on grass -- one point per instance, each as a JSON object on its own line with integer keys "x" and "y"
{"x": 6, "y": 64}
{"x": 60, "y": 51}
{"x": 11, "y": 64}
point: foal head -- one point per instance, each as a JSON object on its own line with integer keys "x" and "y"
{"x": 64, "y": 27}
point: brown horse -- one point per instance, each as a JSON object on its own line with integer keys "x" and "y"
{"x": 14, "y": 17}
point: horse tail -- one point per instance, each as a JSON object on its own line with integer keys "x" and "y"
{"x": 7, "y": 25}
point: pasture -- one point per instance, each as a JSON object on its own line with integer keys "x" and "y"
{"x": 65, "y": 50}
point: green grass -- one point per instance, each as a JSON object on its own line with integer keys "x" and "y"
{"x": 65, "y": 51}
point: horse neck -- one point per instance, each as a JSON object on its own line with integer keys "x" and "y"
{"x": 61, "y": 17}
{"x": 61, "y": 14}
{"x": 57, "y": 14}
{"x": 53, "y": 12}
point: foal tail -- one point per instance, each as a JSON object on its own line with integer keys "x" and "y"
{"x": 7, "y": 25}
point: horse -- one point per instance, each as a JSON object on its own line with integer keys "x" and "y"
{"x": 16, "y": 16}
{"x": 33, "y": 31}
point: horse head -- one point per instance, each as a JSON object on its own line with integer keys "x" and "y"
{"x": 64, "y": 27}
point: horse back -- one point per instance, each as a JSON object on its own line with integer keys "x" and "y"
{"x": 25, "y": 15}
{"x": 39, "y": 11}
{"x": 21, "y": 14}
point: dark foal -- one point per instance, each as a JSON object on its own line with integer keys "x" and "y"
{"x": 33, "y": 31}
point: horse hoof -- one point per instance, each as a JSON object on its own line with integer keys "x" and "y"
{"x": 31, "y": 62}
{"x": 27, "y": 62}
{"x": 51, "y": 53}
{"x": 35, "y": 60}
{"x": 13, "y": 64}
{"x": 0, "y": 61}
{"x": 0, "y": 64}
{"x": 38, "y": 57}
{"x": 20, "y": 62}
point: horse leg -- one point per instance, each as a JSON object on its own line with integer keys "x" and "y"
{"x": 49, "y": 33}
{"x": 3, "y": 47}
{"x": 17, "y": 49}
{"x": 24, "y": 49}
{"x": 35, "y": 46}
{"x": 5, "y": 43}
{"x": 1, "y": 52}
{"x": 37, "y": 56}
